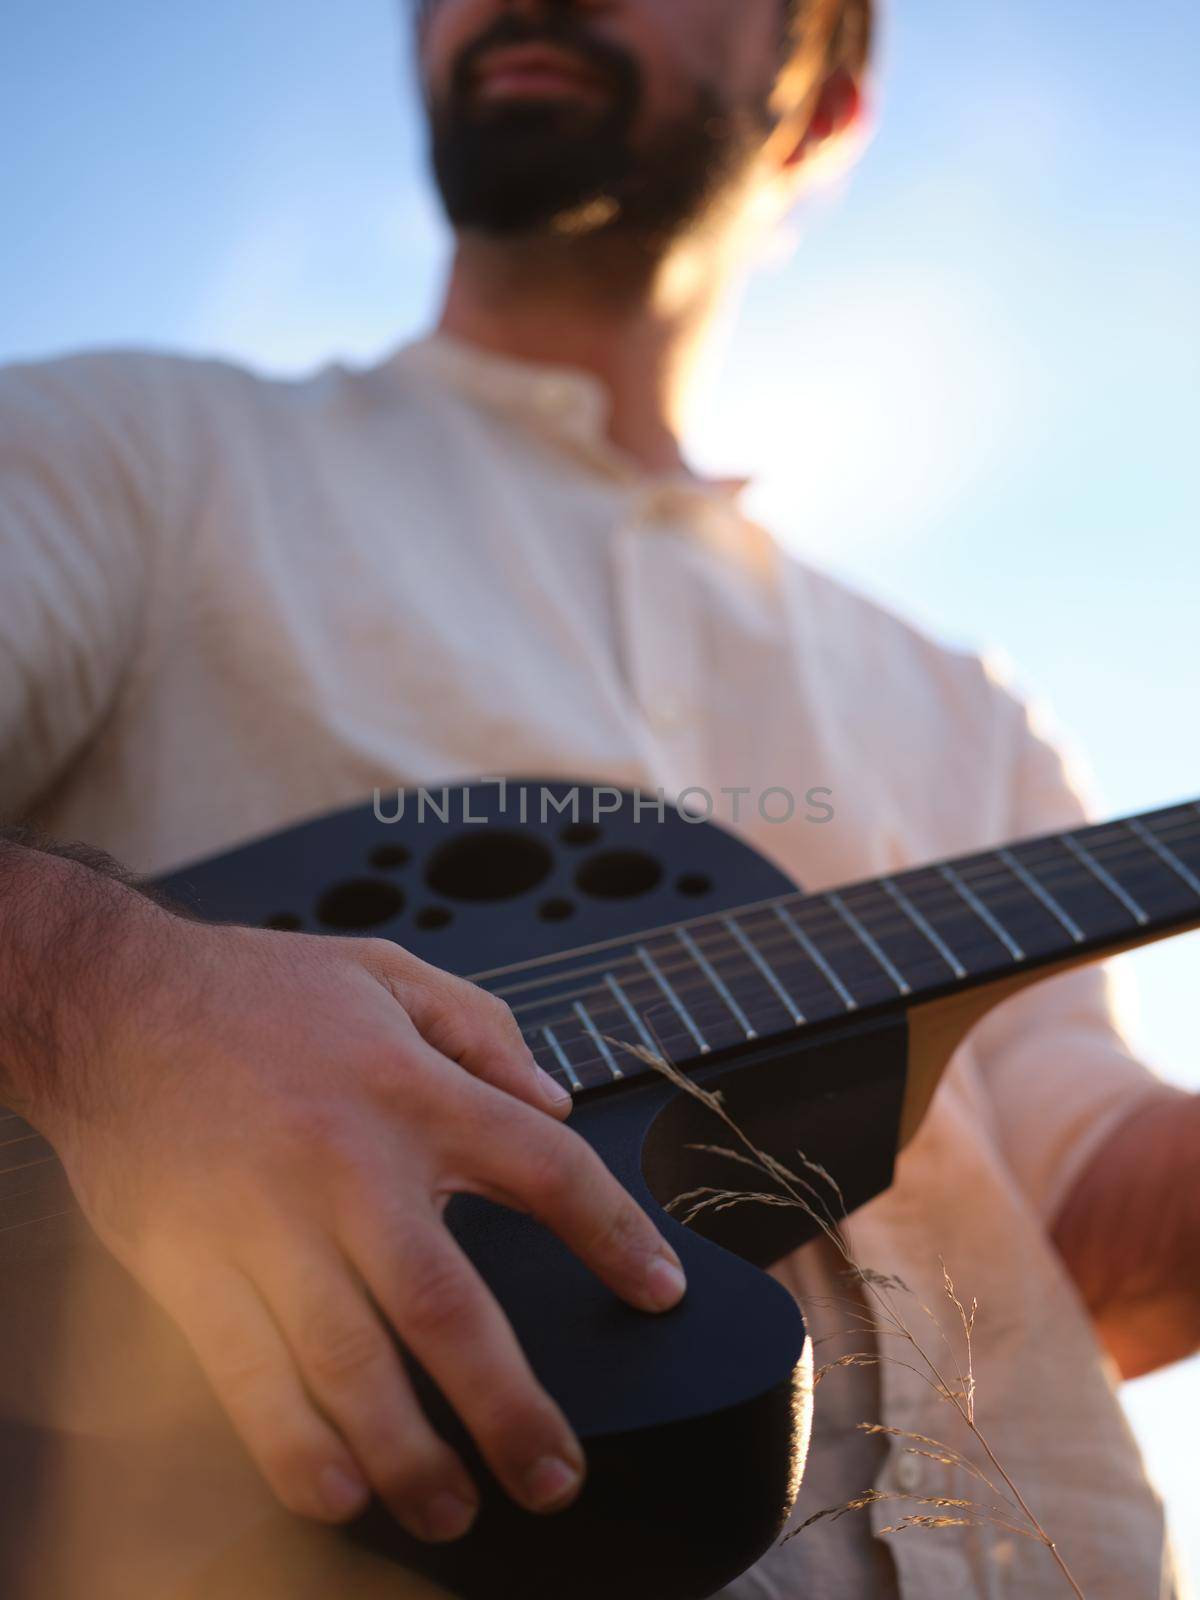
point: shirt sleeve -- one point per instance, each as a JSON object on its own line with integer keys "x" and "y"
{"x": 76, "y": 470}
{"x": 1058, "y": 1070}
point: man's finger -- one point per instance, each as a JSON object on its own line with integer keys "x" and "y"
{"x": 540, "y": 1167}
{"x": 350, "y": 1364}
{"x": 448, "y": 1318}
{"x": 250, "y": 1368}
{"x": 470, "y": 1026}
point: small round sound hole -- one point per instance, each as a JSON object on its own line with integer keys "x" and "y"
{"x": 390, "y": 857}
{"x": 360, "y": 903}
{"x": 556, "y": 910}
{"x": 580, "y": 833}
{"x": 488, "y": 866}
{"x": 619, "y": 875}
{"x": 694, "y": 884}
{"x": 434, "y": 917}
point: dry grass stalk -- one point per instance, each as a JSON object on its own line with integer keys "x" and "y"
{"x": 956, "y": 1390}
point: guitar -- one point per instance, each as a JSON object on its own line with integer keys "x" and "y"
{"x": 616, "y": 934}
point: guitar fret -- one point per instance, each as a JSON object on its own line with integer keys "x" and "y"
{"x": 865, "y": 938}
{"x": 767, "y": 971}
{"x": 600, "y": 1042}
{"x": 817, "y": 959}
{"x": 921, "y": 923}
{"x": 684, "y": 1015}
{"x": 797, "y": 986}
{"x": 1166, "y": 855}
{"x": 967, "y": 938}
{"x": 718, "y": 983}
{"x": 993, "y": 924}
{"x": 1045, "y": 898}
{"x": 560, "y": 1056}
{"x": 639, "y": 1026}
{"x": 1182, "y": 836}
{"x": 1106, "y": 878}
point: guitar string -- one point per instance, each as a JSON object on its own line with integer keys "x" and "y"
{"x": 52, "y": 1160}
{"x": 812, "y": 991}
{"x": 894, "y": 921}
{"x": 710, "y": 1012}
{"x": 801, "y": 899}
{"x": 27, "y": 1222}
{"x": 710, "y": 1017}
{"x": 26, "y": 1166}
{"x": 6, "y": 1144}
{"x": 931, "y": 965}
{"x": 787, "y": 957}
{"x": 796, "y": 975}
{"x": 781, "y": 951}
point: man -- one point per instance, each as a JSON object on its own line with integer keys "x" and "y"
{"x": 229, "y": 604}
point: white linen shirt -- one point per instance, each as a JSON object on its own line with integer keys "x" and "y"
{"x": 228, "y": 603}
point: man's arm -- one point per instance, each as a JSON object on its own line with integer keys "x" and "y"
{"x": 1129, "y": 1232}
{"x": 265, "y": 1127}
{"x": 1106, "y": 1153}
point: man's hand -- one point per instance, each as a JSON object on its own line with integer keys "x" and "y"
{"x": 1129, "y": 1232}
{"x": 265, "y": 1128}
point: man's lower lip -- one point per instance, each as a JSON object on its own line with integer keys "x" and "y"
{"x": 534, "y": 82}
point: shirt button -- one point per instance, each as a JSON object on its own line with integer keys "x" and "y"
{"x": 670, "y": 715}
{"x": 908, "y": 1473}
{"x": 555, "y": 396}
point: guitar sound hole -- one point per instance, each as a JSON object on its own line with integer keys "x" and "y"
{"x": 389, "y": 857}
{"x": 555, "y": 910}
{"x": 360, "y": 903}
{"x": 434, "y": 917}
{"x": 580, "y": 833}
{"x": 488, "y": 866}
{"x": 694, "y": 884}
{"x": 619, "y": 875}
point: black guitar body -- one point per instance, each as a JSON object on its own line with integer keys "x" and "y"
{"x": 694, "y": 1423}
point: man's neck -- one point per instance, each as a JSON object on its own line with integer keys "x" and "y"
{"x": 635, "y": 332}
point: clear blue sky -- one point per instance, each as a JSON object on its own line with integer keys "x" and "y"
{"x": 973, "y": 385}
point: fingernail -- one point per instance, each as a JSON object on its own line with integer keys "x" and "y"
{"x": 665, "y": 1283}
{"x": 447, "y": 1517}
{"x": 556, "y": 1092}
{"x": 342, "y": 1493}
{"x": 551, "y": 1480}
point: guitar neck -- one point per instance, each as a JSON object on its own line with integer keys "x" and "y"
{"x": 764, "y": 972}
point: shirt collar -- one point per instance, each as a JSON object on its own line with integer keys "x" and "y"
{"x": 559, "y": 401}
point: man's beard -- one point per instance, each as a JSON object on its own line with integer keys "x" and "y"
{"x": 560, "y": 168}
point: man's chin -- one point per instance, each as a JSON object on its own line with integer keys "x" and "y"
{"x": 524, "y": 217}
{"x": 525, "y": 173}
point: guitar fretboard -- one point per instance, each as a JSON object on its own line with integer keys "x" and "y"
{"x": 762, "y": 972}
